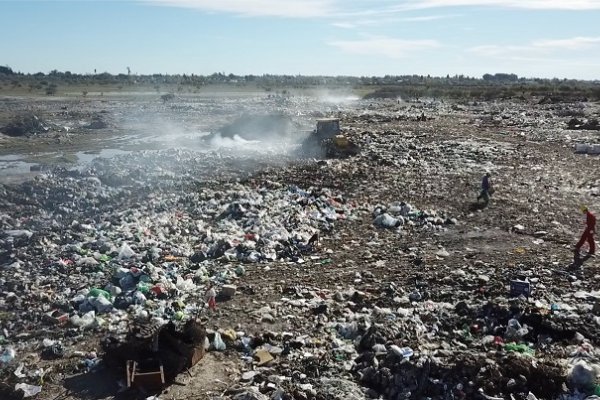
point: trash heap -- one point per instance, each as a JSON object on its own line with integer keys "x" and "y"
{"x": 399, "y": 214}
{"x": 398, "y": 345}
{"x": 25, "y": 124}
{"x": 465, "y": 303}
{"x": 104, "y": 249}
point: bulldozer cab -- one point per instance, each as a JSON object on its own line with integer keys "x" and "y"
{"x": 328, "y": 128}
{"x": 327, "y": 141}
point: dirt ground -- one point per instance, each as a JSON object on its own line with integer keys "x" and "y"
{"x": 435, "y": 165}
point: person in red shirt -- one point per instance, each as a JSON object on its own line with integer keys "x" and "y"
{"x": 588, "y": 233}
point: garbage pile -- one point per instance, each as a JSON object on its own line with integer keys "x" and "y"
{"x": 400, "y": 345}
{"x": 297, "y": 272}
{"x": 104, "y": 249}
{"x": 584, "y": 148}
{"x": 400, "y": 213}
{"x": 96, "y": 123}
{"x": 25, "y": 124}
{"x": 590, "y": 124}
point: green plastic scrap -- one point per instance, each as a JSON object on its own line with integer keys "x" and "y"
{"x": 518, "y": 348}
{"x": 95, "y": 292}
{"x": 143, "y": 287}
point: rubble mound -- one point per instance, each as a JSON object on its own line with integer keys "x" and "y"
{"x": 167, "y": 97}
{"x": 591, "y": 124}
{"x": 97, "y": 123}
{"x": 557, "y": 99}
{"x": 25, "y": 124}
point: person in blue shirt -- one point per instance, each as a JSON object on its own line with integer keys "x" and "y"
{"x": 486, "y": 186}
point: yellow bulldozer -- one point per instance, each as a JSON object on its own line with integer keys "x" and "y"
{"x": 327, "y": 141}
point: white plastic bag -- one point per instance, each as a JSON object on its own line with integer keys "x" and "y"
{"x": 29, "y": 390}
{"x": 218, "y": 343}
{"x": 125, "y": 252}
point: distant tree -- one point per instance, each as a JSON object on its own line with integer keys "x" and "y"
{"x": 6, "y": 70}
{"x": 128, "y": 71}
{"x": 500, "y": 77}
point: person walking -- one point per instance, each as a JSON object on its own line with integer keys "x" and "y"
{"x": 486, "y": 187}
{"x": 588, "y": 233}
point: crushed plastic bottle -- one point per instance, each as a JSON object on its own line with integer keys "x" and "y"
{"x": 404, "y": 352}
{"x": 407, "y": 352}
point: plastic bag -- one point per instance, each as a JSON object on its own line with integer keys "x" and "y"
{"x": 218, "y": 343}
{"x": 387, "y": 221}
{"x": 28, "y": 390}
{"x": 125, "y": 252}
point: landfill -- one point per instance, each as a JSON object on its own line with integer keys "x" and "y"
{"x": 374, "y": 276}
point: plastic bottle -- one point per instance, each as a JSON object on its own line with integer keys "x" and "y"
{"x": 407, "y": 352}
{"x": 246, "y": 344}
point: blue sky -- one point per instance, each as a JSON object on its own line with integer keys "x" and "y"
{"x": 532, "y": 38}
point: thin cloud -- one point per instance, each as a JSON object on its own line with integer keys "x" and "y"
{"x": 381, "y": 21}
{"x": 254, "y": 8}
{"x": 357, "y": 8}
{"x": 538, "y": 47}
{"x": 344, "y": 25}
{"x": 361, "y": 8}
{"x": 527, "y": 4}
{"x": 384, "y": 46}
{"x": 425, "y": 18}
{"x": 493, "y": 50}
{"x": 576, "y": 43}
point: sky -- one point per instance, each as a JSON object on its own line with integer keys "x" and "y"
{"x": 531, "y": 38}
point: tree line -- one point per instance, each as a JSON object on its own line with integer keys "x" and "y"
{"x": 487, "y": 86}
